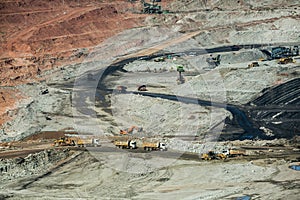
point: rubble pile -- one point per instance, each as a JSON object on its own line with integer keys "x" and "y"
{"x": 32, "y": 164}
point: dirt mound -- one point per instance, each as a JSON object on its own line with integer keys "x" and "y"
{"x": 30, "y": 165}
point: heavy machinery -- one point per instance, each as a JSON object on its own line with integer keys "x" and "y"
{"x": 76, "y": 141}
{"x": 131, "y": 130}
{"x": 236, "y": 152}
{"x": 214, "y": 61}
{"x": 151, "y": 8}
{"x": 253, "y": 64}
{"x": 286, "y": 60}
{"x": 211, "y": 155}
{"x": 129, "y": 144}
{"x": 180, "y": 79}
{"x": 150, "y": 146}
{"x": 159, "y": 59}
{"x": 64, "y": 141}
{"x": 142, "y": 88}
{"x": 81, "y": 142}
{"x": 121, "y": 89}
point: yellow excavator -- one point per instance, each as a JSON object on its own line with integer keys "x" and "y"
{"x": 130, "y": 130}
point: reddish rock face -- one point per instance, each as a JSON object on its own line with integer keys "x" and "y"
{"x": 39, "y": 35}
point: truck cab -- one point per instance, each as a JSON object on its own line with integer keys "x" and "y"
{"x": 132, "y": 144}
{"x": 96, "y": 142}
{"x": 162, "y": 146}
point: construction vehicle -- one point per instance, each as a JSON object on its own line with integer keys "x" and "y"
{"x": 129, "y": 144}
{"x": 81, "y": 142}
{"x": 214, "y": 61}
{"x": 211, "y": 155}
{"x": 150, "y": 146}
{"x": 180, "y": 79}
{"x": 253, "y": 64}
{"x": 159, "y": 59}
{"x": 142, "y": 88}
{"x": 151, "y": 8}
{"x": 286, "y": 60}
{"x": 234, "y": 152}
{"x": 131, "y": 130}
{"x": 76, "y": 141}
{"x": 121, "y": 89}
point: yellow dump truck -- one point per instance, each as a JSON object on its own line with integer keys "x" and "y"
{"x": 237, "y": 152}
{"x": 76, "y": 141}
{"x": 149, "y": 146}
{"x": 129, "y": 144}
{"x": 87, "y": 142}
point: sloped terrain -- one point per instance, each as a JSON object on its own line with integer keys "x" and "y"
{"x": 61, "y": 70}
{"x": 278, "y": 107}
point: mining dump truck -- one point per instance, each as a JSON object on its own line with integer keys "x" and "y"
{"x": 234, "y": 152}
{"x": 87, "y": 142}
{"x": 76, "y": 141}
{"x": 129, "y": 144}
{"x": 150, "y": 146}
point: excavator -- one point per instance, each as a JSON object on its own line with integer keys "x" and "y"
{"x": 214, "y": 61}
{"x": 180, "y": 79}
{"x": 130, "y": 130}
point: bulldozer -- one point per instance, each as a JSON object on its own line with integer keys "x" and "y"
{"x": 211, "y": 155}
{"x": 286, "y": 60}
{"x": 64, "y": 141}
{"x": 253, "y": 64}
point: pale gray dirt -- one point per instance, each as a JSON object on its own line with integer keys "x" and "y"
{"x": 113, "y": 175}
{"x": 88, "y": 178}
